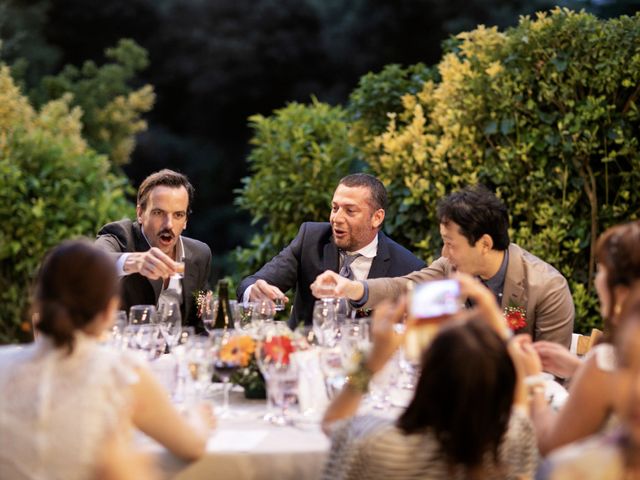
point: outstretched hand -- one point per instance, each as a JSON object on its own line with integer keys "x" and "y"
{"x": 153, "y": 264}
{"x": 330, "y": 284}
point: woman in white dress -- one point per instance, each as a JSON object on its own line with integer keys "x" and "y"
{"x": 63, "y": 396}
{"x": 592, "y": 395}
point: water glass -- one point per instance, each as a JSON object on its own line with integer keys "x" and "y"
{"x": 142, "y": 314}
{"x": 200, "y": 357}
{"x": 170, "y": 321}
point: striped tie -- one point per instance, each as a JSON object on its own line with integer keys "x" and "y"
{"x": 347, "y": 260}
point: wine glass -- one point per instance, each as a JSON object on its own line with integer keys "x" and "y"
{"x": 209, "y": 314}
{"x": 263, "y": 313}
{"x": 170, "y": 321}
{"x": 325, "y": 322}
{"x": 142, "y": 314}
{"x": 273, "y": 356}
{"x": 200, "y": 357}
{"x": 228, "y": 357}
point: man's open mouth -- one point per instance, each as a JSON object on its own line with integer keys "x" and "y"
{"x": 166, "y": 238}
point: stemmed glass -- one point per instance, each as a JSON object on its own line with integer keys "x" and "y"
{"x": 142, "y": 314}
{"x": 325, "y": 322}
{"x": 262, "y": 314}
{"x": 273, "y": 355}
{"x": 170, "y": 321}
{"x": 200, "y": 358}
{"x": 227, "y": 354}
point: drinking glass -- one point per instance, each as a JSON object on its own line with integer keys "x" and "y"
{"x": 145, "y": 338}
{"x": 325, "y": 322}
{"x": 227, "y": 351}
{"x": 244, "y": 316}
{"x": 200, "y": 358}
{"x": 209, "y": 314}
{"x": 273, "y": 351}
{"x": 142, "y": 314}
{"x": 263, "y": 313}
{"x": 170, "y": 321}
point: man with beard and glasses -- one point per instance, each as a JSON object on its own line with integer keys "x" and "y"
{"x": 351, "y": 244}
{"x": 148, "y": 251}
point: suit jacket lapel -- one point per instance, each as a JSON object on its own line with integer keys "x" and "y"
{"x": 141, "y": 245}
{"x": 382, "y": 261}
{"x": 331, "y": 257}
{"x": 513, "y": 290}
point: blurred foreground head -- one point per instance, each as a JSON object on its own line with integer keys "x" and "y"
{"x": 465, "y": 392}
{"x": 76, "y": 284}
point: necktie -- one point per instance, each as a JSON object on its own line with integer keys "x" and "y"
{"x": 347, "y": 260}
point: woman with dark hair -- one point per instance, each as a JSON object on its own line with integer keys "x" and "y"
{"x": 614, "y": 454}
{"x": 64, "y": 396}
{"x": 461, "y": 422}
{"x": 591, "y": 394}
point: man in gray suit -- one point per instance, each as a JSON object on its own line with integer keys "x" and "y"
{"x": 148, "y": 251}
{"x": 351, "y": 243}
{"x": 474, "y": 228}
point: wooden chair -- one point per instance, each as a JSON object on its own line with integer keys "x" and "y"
{"x": 581, "y": 344}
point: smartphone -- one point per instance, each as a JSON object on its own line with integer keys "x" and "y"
{"x": 432, "y": 300}
{"x": 431, "y": 303}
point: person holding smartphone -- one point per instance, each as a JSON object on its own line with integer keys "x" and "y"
{"x": 474, "y": 225}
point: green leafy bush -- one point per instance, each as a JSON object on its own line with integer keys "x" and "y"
{"x": 546, "y": 113}
{"x": 52, "y": 187}
{"x": 299, "y": 154}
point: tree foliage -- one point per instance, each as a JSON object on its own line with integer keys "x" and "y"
{"x": 299, "y": 154}
{"x": 545, "y": 113}
{"x": 53, "y": 186}
{"x": 112, "y": 113}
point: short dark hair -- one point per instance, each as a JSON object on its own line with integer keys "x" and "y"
{"x": 167, "y": 178}
{"x": 477, "y": 211}
{"x": 376, "y": 189}
{"x": 464, "y": 394}
{"x": 76, "y": 282}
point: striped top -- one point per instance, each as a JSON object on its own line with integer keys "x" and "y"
{"x": 369, "y": 447}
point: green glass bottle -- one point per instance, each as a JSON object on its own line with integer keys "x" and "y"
{"x": 224, "y": 316}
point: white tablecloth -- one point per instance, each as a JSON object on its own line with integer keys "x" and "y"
{"x": 247, "y": 447}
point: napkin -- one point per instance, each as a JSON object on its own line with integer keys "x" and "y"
{"x": 312, "y": 392}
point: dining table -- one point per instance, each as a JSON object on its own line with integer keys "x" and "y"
{"x": 246, "y": 446}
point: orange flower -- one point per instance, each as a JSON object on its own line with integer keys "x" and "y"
{"x": 239, "y": 350}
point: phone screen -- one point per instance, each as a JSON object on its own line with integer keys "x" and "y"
{"x": 435, "y": 299}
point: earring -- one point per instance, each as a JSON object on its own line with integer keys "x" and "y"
{"x": 617, "y": 309}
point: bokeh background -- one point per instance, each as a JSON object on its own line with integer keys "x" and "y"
{"x": 213, "y": 63}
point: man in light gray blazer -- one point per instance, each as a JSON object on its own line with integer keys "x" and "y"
{"x": 474, "y": 228}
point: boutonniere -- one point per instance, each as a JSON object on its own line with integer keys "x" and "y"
{"x": 203, "y": 301}
{"x": 516, "y": 317}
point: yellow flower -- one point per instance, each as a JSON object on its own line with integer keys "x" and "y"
{"x": 238, "y": 350}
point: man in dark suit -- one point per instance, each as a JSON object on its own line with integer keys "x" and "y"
{"x": 474, "y": 225}
{"x": 351, "y": 243}
{"x": 147, "y": 252}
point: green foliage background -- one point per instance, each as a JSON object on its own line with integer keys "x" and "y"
{"x": 545, "y": 113}
{"x": 58, "y": 178}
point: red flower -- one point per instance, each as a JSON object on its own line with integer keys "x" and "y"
{"x": 277, "y": 349}
{"x": 516, "y": 317}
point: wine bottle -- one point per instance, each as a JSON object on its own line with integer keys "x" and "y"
{"x": 224, "y": 316}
